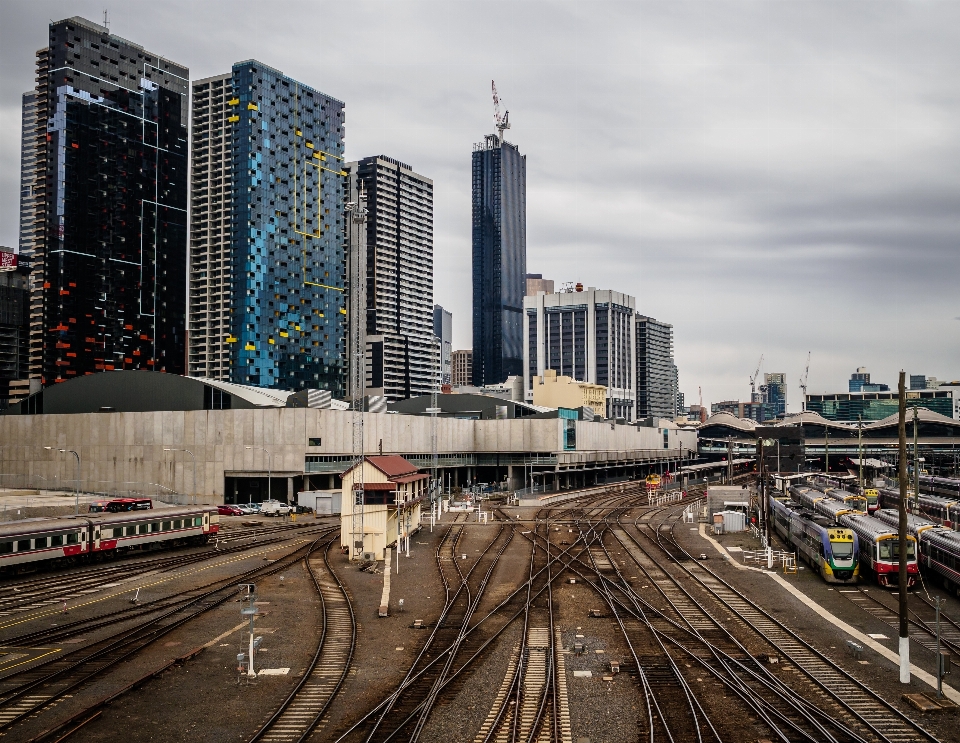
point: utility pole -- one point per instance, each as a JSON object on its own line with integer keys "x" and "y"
{"x": 826, "y": 450}
{"x": 357, "y": 219}
{"x": 902, "y": 534}
{"x": 860, "y": 448}
{"x": 916, "y": 460}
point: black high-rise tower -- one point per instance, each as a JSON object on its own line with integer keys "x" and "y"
{"x": 109, "y": 203}
{"x": 499, "y": 259}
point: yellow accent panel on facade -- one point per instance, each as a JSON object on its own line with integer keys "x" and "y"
{"x": 233, "y": 101}
{"x": 249, "y": 347}
{"x": 554, "y": 391}
{"x": 231, "y": 339}
{"x": 252, "y": 107}
{"x": 233, "y": 118}
{"x": 271, "y": 341}
{"x": 284, "y": 334}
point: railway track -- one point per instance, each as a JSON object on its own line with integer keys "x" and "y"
{"x": 302, "y": 713}
{"x": 26, "y": 693}
{"x": 48, "y": 590}
{"x": 883, "y": 721}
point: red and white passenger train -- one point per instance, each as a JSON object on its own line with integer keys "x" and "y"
{"x": 102, "y": 535}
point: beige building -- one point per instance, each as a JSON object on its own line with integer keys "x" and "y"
{"x": 552, "y": 391}
{"x": 393, "y": 491}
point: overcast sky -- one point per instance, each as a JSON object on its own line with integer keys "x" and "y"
{"x": 770, "y": 177}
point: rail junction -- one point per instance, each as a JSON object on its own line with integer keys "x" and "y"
{"x": 591, "y": 619}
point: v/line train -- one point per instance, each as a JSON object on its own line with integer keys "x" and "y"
{"x": 942, "y": 511}
{"x": 878, "y": 544}
{"x": 855, "y": 501}
{"x": 32, "y": 543}
{"x": 880, "y": 549}
{"x": 829, "y": 549}
{"x": 939, "y": 546}
{"x": 816, "y": 501}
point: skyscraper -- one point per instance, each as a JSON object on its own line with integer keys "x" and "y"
{"x": 774, "y": 394}
{"x": 499, "y": 259}
{"x": 267, "y": 277}
{"x": 443, "y": 330}
{"x": 461, "y": 374}
{"x": 401, "y": 351}
{"x": 587, "y": 335}
{"x": 656, "y": 370}
{"x": 109, "y": 244}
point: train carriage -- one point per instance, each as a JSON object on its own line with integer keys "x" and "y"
{"x": 834, "y": 509}
{"x": 916, "y": 525}
{"x": 829, "y": 549}
{"x": 947, "y": 487}
{"x": 139, "y": 529}
{"x": 943, "y": 511}
{"x": 33, "y": 540}
{"x": 31, "y": 543}
{"x": 880, "y": 549}
{"x": 940, "y": 553}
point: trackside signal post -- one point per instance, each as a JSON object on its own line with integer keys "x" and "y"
{"x": 248, "y": 609}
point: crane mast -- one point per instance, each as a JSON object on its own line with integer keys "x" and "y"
{"x": 803, "y": 385}
{"x": 753, "y": 381}
{"x": 502, "y": 122}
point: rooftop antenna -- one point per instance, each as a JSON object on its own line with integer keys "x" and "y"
{"x": 106, "y": 21}
{"x": 503, "y": 122}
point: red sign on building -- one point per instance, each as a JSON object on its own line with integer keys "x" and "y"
{"x": 8, "y": 261}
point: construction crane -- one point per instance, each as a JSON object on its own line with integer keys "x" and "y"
{"x": 503, "y": 122}
{"x": 803, "y": 385}
{"x": 753, "y": 380}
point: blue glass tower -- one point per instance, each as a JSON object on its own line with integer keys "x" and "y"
{"x": 269, "y": 310}
{"x": 499, "y": 259}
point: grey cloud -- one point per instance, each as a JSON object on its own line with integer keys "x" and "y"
{"x": 769, "y": 177}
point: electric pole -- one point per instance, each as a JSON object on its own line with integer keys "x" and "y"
{"x": 902, "y": 534}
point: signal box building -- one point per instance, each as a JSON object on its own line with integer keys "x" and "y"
{"x": 393, "y": 490}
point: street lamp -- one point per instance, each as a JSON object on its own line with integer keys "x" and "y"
{"x": 194, "y": 471}
{"x": 77, "y": 455}
{"x": 269, "y": 471}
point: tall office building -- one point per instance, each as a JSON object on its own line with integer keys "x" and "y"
{"x": 31, "y": 188}
{"x": 401, "y": 352}
{"x": 859, "y": 378}
{"x": 774, "y": 395}
{"x": 461, "y": 374}
{"x": 499, "y": 259}
{"x": 109, "y": 201}
{"x": 443, "y": 330}
{"x": 656, "y": 371}
{"x": 14, "y": 314}
{"x": 587, "y": 335}
{"x": 267, "y": 275}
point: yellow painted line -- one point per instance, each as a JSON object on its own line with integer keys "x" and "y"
{"x": 229, "y": 632}
{"x": 132, "y": 588}
{"x": 27, "y": 661}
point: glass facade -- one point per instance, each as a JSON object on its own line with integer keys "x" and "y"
{"x": 111, "y": 253}
{"x": 499, "y": 260}
{"x": 656, "y": 372}
{"x": 874, "y": 406}
{"x": 282, "y": 197}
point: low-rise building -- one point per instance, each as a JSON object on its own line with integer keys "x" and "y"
{"x": 552, "y": 391}
{"x": 381, "y": 505}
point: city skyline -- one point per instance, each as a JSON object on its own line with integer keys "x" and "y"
{"x": 810, "y": 202}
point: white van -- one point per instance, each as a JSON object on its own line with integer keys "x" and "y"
{"x": 275, "y": 508}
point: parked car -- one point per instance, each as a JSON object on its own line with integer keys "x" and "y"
{"x": 274, "y": 508}
{"x": 247, "y": 509}
{"x": 229, "y": 511}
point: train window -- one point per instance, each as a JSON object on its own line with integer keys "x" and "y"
{"x": 23, "y": 545}
{"x": 178, "y": 524}
{"x": 155, "y": 526}
{"x": 118, "y": 531}
{"x": 40, "y": 543}
{"x": 56, "y": 540}
{"x": 198, "y": 521}
{"x": 72, "y": 538}
{"x": 6, "y": 547}
{"x": 142, "y": 528}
